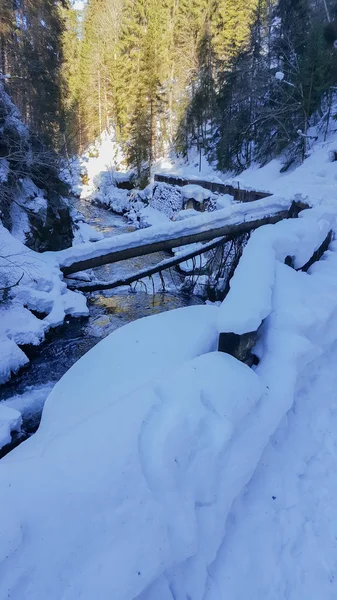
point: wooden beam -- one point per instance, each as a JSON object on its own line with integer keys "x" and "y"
{"x": 143, "y": 247}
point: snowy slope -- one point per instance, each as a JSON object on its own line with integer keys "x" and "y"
{"x": 315, "y": 178}
{"x": 288, "y": 509}
{"x": 164, "y": 470}
{"x": 148, "y": 440}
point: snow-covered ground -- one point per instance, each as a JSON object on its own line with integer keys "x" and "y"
{"x": 315, "y": 178}
{"x": 165, "y": 470}
{"x": 149, "y": 459}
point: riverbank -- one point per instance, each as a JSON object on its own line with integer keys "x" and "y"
{"x": 108, "y": 311}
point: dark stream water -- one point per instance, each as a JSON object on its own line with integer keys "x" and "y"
{"x": 108, "y": 311}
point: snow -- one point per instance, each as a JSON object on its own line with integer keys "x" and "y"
{"x": 279, "y": 75}
{"x": 315, "y": 179}
{"x": 299, "y": 238}
{"x": 147, "y": 457}
{"x": 188, "y": 167}
{"x": 30, "y": 403}
{"x": 83, "y": 232}
{"x": 288, "y": 509}
{"x": 34, "y": 283}
{"x": 10, "y": 420}
{"x": 12, "y": 358}
{"x": 165, "y": 198}
{"x": 20, "y": 222}
{"x": 145, "y": 348}
{"x": 186, "y": 214}
{"x": 151, "y": 217}
{"x": 191, "y": 475}
{"x": 4, "y": 170}
{"x": 196, "y": 192}
{"x": 146, "y": 512}
{"x": 223, "y": 200}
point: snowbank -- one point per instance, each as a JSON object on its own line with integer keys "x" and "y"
{"x": 129, "y": 358}
{"x": 152, "y": 507}
{"x": 30, "y": 403}
{"x": 314, "y": 179}
{"x": 255, "y": 274}
{"x": 150, "y": 437}
{"x": 83, "y": 232}
{"x": 288, "y": 509}
{"x": 10, "y": 420}
{"x": 30, "y": 282}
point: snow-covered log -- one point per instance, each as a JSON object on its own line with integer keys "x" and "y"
{"x": 180, "y": 257}
{"x": 229, "y": 222}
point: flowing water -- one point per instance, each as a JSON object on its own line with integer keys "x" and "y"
{"x": 108, "y": 311}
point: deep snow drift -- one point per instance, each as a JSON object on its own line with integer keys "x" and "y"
{"x": 146, "y": 457}
{"x": 165, "y": 470}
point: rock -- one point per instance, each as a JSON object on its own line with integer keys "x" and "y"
{"x": 239, "y": 346}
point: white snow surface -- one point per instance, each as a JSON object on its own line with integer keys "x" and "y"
{"x": 315, "y": 179}
{"x": 149, "y": 439}
{"x": 37, "y": 285}
{"x": 10, "y": 420}
{"x": 164, "y": 470}
{"x": 198, "y": 193}
{"x": 255, "y": 274}
{"x": 287, "y": 511}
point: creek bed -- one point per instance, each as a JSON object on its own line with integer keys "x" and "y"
{"x": 107, "y": 311}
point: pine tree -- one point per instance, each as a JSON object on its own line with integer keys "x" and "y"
{"x": 31, "y": 53}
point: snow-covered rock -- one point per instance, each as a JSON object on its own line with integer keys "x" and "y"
{"x": 10, "y": 420}
{"x": 195, "y": 192}
{"x": 30, "y": 282}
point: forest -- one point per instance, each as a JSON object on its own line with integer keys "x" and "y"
{"x": 244, "y": 81}
{"x": 168, "y": 286}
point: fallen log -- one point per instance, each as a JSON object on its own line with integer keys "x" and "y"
{"x": 95, "y": 286}
{"x": 131, "y": 245}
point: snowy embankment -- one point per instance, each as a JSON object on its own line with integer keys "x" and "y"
{"x": 147, "y": 440}
{"x": 30, "y": 282}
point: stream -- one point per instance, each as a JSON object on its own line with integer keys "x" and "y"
{"x": 107, "y": 311}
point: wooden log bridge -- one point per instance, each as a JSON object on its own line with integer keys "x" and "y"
{"x": 228, "y": 223}
{"x": 239, "y": 194}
